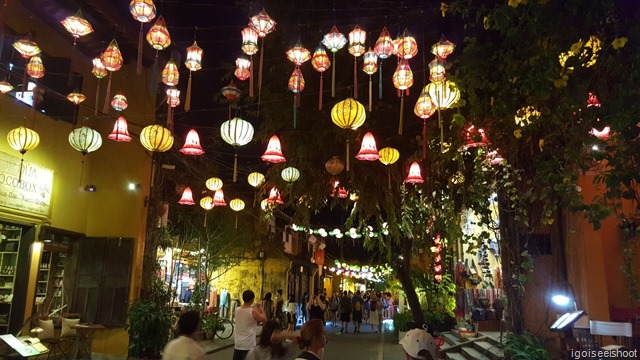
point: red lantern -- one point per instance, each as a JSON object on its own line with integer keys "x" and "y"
{"x": 296, "y": 85}
{"x": 368, "y": 150}
{"x": 242, "y": 68}
{"x": 603, "y": 134}
{"x": 187, "y": 197}
{"x": 424, "y": 108}
{"x": 231, "y": 93}
{"x": 274, "y": 151}
{"x": 218, "y": 198}
{"x": 494, "y": 158}
{"x": 342, "y": 193}
{"x": 414, "y": 176}
{"x": 320, "y": 62}
{"x": 592, "y": 100}
{"x": 170, "y": 74}
{"x": 405, "y": 46}
{"x": 112, "y": 60}
{"x": 120, "y": 131}
{"x": 158, "y": 36}
{"x": 274, "y": 197}
{"x": 475, "y": 137}
{"x": 35, "y": 68}
{"x": 192, "y": 144}
{"x": 384, "y": 44}
{"x": 402, "y": 80}
{"x": 442, "y": 49}
{"x": 334, "y": 41}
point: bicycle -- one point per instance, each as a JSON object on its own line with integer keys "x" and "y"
{"x": 224, "y": 327}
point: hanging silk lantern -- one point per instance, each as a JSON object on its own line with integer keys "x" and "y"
{"x": 384, "y": 49}
{"x": 255, "y": 179}
{"x": 158, "y": 36}
{"x": 170, "y": 74}
{"x": 26, "y": 48}
{"x": 231, "y": 93}
{"x": 273, "y": 154}
{"x": 405, "y": 46}
{"x": 296, "y": 85}
{"x": 5, "y": 87}
{"x": 99, "y": 71}
{"x": 236, "y": 132}
{"x": 236, "y": 205}
{"x": 443, "y": 48}
{"x": 290, "y": 174}
{"x": 334, "y": 41}
{"x": 214, "y": 184}
{"x": 414, "y": 177}
{"x": 389, "y": 155}
{"x": 193, "y": 62}
{"x": 370, "y": 66}
{"x": 192, "y": 144}
{"x": 242, "y": 68}
{"x": 437, "y": 71}
{"x": 402, "y": 80}
{"x": 348, "y": 114}
{"x": 218, "y": 198}
{"x": 334, "y": 166}
{"x": 424, "y": 109}
{"x": 187, "y": 197}
{"x": 76, "y": 97}
{"x": 298, "y": 54}
{"x": 357, "y": 47}
{"x": 85, "y": 140}
{"x": 119, "y": 102}
{"x": 77, "y": 26}
{"x": 274, "y": 197}
{"x": 120, "y": 131}
{"x": 206, "y": 203}
{"x": 320, "y": 62}
{"x": 368, "y": 150}
{"x": 112, "y": 61}
{"x": 22, "y": 139}
{"x": 35, "y": 68}
{"x": 156, "y": 138}
{"x": 142, "y": 11}
{"x": 263, "y": 24}
{"x": 443, "y": 94}
{"x": 249, "y": 47}
{"x": 173, "y": 100}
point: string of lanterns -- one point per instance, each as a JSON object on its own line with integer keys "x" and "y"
{"x": 372, "y": 273}
{"x": 337, "y": 233}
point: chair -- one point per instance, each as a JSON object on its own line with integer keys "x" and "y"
{"x": 45, "y": 331}
{"x": 621, "y": 332}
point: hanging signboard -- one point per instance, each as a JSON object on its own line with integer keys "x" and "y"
{"x": 30, "y": 192}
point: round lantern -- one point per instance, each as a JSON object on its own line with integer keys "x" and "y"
{"x": 273, "y": 154}
{"x": 119, "y": 102}
{"x": 264, "y": 204}
{"x": 156, "y": 138}
{"x": 255, "y": 179}
{"x": 414, "y": 177}
{"x": 249, "y": 41}
{"x": 192, "y": 144}
{"x": 206, "y": 203}
{"x": 262, "y": 23}
{"x": 236, "y": 204}
{"x": 389, "y": 155}
{"x": 142, "y": 10}
{"x": 214, "y": 184}
{"x": 120, "y": 131}
{"x": 403, "y": 76}
{"x": 437, "y": 71}
{"x": 85, "y": 140}
{"x": 23, "y": 139}
{"x": 26, "y": 48}
{"x": 334, "y": 166}
{"x": 442, "y": 48}
{"x": 236, "y": 132}
{"x": 348, "y": 114}
{"x": 187, "y": 197}
{"x": 98, "y": 70}
{"x": 298, "y": 54}
{"x": 77, "y": 25}
{"x": 443, "y": 94}
{"x": 76, "y": 97}
{"x": 170, "y": 74}
{"x": 290, "y": 174}
{"x": 158, "y": 36}
{"x": 35, "y": 68}
{"x": 368, "y": 150}
{"x": 111, "y": 57}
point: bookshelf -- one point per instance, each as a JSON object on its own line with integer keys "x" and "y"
{"x": 49, "y": 289}
{"x": 9, "y": 247}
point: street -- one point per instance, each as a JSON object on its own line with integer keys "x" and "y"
{"x": 366, "y": 345}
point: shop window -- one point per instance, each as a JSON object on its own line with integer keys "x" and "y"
{"x": 536, "y": 244}
{"x": 101, "y": 286}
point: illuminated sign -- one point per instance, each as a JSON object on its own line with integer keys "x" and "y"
{"x": 31, "y": 192}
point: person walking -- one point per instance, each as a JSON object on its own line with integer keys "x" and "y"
{"x": 292, "y": 316}
{"x": 358, "y": 307}
{"x": 375, "y": 316}
{"x": 268, "y": 306}
{"x": 247, "y": 317}
{"x": 303, "y": 307}
{"x": 274, "y": 344}
{"x": 185, "y": 346}
{"x": 312, "y": 341}
{"x": 345, "y": 312}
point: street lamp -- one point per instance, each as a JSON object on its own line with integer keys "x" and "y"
{"x": 565, "y": 295}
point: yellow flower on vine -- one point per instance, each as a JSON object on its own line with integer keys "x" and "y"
{"x": 485, "y": 23}
{"x": 514, "y": 3}
{"x": 444, "y": 8}
{"x": 517, "y": 133}
{"x": 619, "y": 43}
{"x": 575, "y": 48}
{"x": 541, "y": 144}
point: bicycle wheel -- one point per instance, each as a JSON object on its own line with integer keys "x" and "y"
{"x": 225, "y": 329}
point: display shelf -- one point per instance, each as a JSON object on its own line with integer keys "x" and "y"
{"x": 8, "y": 265}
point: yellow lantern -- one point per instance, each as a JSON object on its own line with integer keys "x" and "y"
{"x": 35, "y": 68}
{"x": 98, "y": 70}
{"x": 298, "y": 54}
{"x": 77, "y": 26}
{"x": 206, "y": 203}
{"x": 437, "y": 71}
{"x": 156, "y": 138}
{"x": 214, "y": 184}
{"x": 443, "y": 48}
{"x": 76, "y": 97}
{"x": 193, "y": 63}
{"x": 348, "y": 114}
{"x": 443, "y": 94}
{"x": 170, "y": 74}
{"x": 22, "y": 139}
{"x": 255, "y": 179}
{"x": 388, "y": 156}
{"x": 236, "y": 205}
{"x": 26, "y": 48}
{"x": 290, "y": 174}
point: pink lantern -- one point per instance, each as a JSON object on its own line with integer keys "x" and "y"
{"x": 414, "y": 176}
{"x": 242, "y": 68}
{"x": 192, "y": 144}
{"x": 274, "y": 197}
{"x": 218, "y": 198}
{"x": 475, "y": 137}
{"x": 120, "y": 131}
{"x": 368, "y": 150}
{"x": 273, "y": 154}
{"x": 187, "y": 197}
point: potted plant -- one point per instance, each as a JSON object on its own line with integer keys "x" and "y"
{"x": 401, "y": 322}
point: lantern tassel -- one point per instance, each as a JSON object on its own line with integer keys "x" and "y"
{"x": 187, "y": 100}
{"x": 260, "y": 72}
{"x": 441, "y": 131}
{"x": 229, "y": 111}
{"x": 251, "y": 77}
{"x": 389, "y": 176}
{"x": 236, "y": 221}
{"x": 347, "y": 157}
{"x": 235, "y": 167}
{"x": 153, "y": 86}
{"x": 380, "y": 81}
{"x": 320, "y": 94}
{"x": 295, "y": 111}
{"x": 170, "y": 117}
{"x": 424, "y": 139}
{"x": 24, "y": 81}
{"x": 370, "y": 93}
{"x": 355, "y": 78}
{"x": 105, "y": 108}
{"x": 140, "y": 40}
{"x": 205, "y": 218}
{"x": 401, "y": 115}
{"x": 95, "y": 108}
{"x": 81, "y": 170}
{"x": 333, "y": 77}
{"x": 73, "y": 52}
{"x": 20, "y": 171}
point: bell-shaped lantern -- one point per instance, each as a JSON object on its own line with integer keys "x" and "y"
{"x": 255, "y": 179}
{"x": 158, "y": 36}
{"x": 85, "y": 140}
{"x": 76, "y": 98}
{"x": 242, "y": 68}
{"x": 321, "y": 63}
{"x": 119, "y": 102}
{"x": 494, "y": 158}
{"x": 437, "y": 71}
{"x": 218, "y": 198}
{"x": 274, "y": 197}
{"x": 120, "y": 131}
{"x": 262, "y": 23}
{"x": 26, "y": 48}
{"x": 415, "y": 176}
{"x": 342, "y": 193}
{"x": 249, "y": 41}
{"x": 475, "y": 137}
{"x": 35, "y": 68}
{"x": 187, "y": 197}
{"x": 334, "y": 166}
{"x": 77, "y": 25}
{"x": 442, "y": 49}
{"x": 170, "y": 74}
{"x": 290, "y": 174}
{"x": 298, "y": 54}
{"x": 603, "y": 134}
{"x": 206, "y": 203}
{"x": 273, "y": 154}
{"x": 334, "y": 41}
{"x": 368, "y": 150}
{"x": 405, "y": 47}
{"x": 192, "y": 144}
{"x": 443, "y": 94}
{"x": 214, "y": 184}
{"x": 156, "y": 138}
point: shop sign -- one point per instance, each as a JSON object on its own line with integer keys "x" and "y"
{"x": 31, "y": 192}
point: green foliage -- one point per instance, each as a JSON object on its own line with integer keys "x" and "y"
{"x": 402, "y": 320}
{"x": 525, "y": 347}
{"x": 149, "y": 323}
{"x": 440, "y": 296}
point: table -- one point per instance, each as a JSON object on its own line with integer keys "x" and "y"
{"x": 84, "y": 338}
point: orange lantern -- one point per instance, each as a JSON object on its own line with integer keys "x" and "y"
{"x": 112, "y": 61}
{"x": 298, "y": 54}
{"x": 334, "y": 41}
{"x": 368, "y": 150}
{"x": 437, "y": 71}
{"x": 357, "y": 47}
{"x": 35, "y": 68}
{"x": 296, "y": 85}
{"x": 158, "y": 36}
{"x": 77, "y": 26}
{"x": 443, "y": 48}
{"x": 119, "y": 102}
{"x": 273, "y": 154}
{"x": 370, "y": 66}
{"x": 242, "y": 68}
{"x": 143, "y": 11}
{"x": 218, "y": 198}
{"x": 120, "y": 131}
{"x": 76, "y": 97}
{"x": 187, "y": 197}
{"x": 250, "y": 47}
{"x": 405, "y": 46}
{"x": 170, "y": 74}
{"x": 384, "y": 49}
{"x": 402, "y": 80}
{"x": 263, "y": 24}
{"x": 193, "y": 63}
{"x": 334, "y": 166}
{"x": 26, "y": 48}
{"x": 320, "y": 62}
{"x": 192, "y": 144}
{"x": 414, "y": 177}
{"x": 424, "y": 109}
